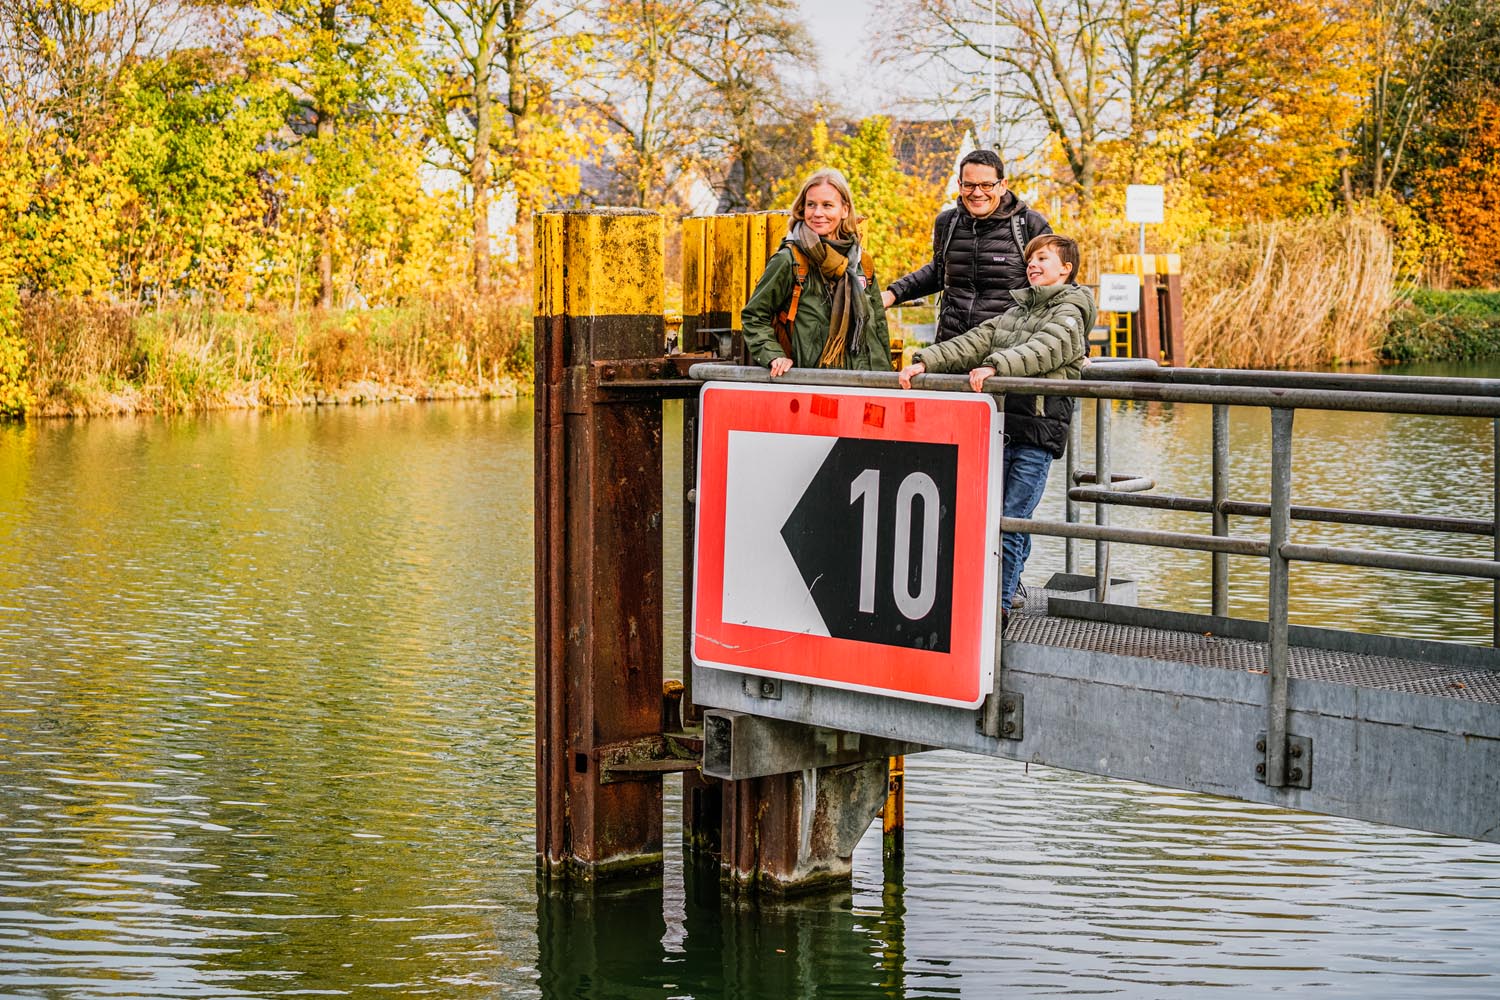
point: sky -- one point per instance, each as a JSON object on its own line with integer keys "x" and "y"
{"x": 842, "y": 30}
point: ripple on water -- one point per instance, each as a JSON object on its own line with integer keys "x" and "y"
{"x": 266, "y": 730}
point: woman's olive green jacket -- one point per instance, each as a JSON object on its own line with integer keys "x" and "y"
{"x": 869, "y": 350}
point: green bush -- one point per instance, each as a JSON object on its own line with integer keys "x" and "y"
{"x": 1444, "y": 326}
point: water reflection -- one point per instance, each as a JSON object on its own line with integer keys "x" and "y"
{"x": 266, "y": 730}
{"x": 614, "y": 942}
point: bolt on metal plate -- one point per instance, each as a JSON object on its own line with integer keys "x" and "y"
{"x": 1298, "y": 761}
{"x": 763, "y": 687}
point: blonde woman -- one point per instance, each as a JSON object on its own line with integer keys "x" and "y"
{"x": 817, "y": 304}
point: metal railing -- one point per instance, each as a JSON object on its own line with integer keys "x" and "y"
{"x": 1283, "y": 393}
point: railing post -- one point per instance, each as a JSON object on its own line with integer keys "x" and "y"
{"x": 1220, "y": 581}
{"x": 1104, "y": 480}
{"x": 1278, "y": 600}
{"x": 1070, "y": 477}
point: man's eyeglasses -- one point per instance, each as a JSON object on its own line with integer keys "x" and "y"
{"x": 985, "y": 186}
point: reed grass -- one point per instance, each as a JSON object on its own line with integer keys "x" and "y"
{"x": 1295, "y": 293}
{"x": 1305, "y": 293}
{"x": 88, "y": 357}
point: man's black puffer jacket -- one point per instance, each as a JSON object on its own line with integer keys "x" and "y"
{"x": 976, "y": 275}
{"x": 981, "y": 266}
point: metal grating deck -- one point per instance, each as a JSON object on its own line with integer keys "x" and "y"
{"x": 1032, "y": 624}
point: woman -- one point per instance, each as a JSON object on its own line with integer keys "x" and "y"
{"x": 1045, "y": 334}
{"x": 817, "y": 304}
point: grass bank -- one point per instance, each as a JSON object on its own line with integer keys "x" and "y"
{"x": 87, "y": 358}
{"x": 1436, "y": 325}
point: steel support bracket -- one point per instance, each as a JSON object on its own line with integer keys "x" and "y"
{"x": 1298, "y": 761}
{"x": 737, "y": 746}
{"x": 631, "y": 378}
{"x": 649, "y": 756}
{"x": 1012, "y": 717}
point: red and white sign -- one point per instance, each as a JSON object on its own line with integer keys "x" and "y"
{"x": 849, "y": 538}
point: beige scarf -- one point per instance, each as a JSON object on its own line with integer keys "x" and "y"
{"x": 847, "y": 317}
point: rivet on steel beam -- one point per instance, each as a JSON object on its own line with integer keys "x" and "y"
{"x": 1260, "y": 769}
{"x": 767, "y": 687}
{"x": 1007, "y": 705}
{"x": 1008, "y": 728}
{"x": 1260, "y": 746}
{"x": 1296, "y": 751}
{"x": 1295, "y": 775}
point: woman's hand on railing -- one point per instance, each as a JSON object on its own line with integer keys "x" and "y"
{"x": 780, "y": 366}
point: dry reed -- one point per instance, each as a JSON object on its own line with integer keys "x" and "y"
{"x": 1302, "y": 293}
{"x": 1296, "y": 293}
{"x": 91, "y": 357}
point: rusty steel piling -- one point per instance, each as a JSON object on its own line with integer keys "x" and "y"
{"x": 598, "y": 542}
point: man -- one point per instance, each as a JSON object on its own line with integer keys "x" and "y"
{"x": 978, "y": 250}
{"x": 978, "y": 258}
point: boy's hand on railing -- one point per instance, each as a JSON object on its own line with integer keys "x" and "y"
{"x": 904, "y": 376}
{"x": 977, "y": 377}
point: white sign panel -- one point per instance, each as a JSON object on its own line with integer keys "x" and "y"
{"x": 1119, "y": 293}
{"x": 1145, "y": 203}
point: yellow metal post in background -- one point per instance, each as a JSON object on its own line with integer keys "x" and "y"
{"x": 893, "y": 816}
{"x": 722, "y": 258}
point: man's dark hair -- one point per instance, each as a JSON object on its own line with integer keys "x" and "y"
{"x": 985, "y": 158}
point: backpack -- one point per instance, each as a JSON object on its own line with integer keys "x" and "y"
{"x": 781, "y": 323}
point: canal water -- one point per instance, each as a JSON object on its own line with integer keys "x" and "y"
{"x": 266, "y": 731}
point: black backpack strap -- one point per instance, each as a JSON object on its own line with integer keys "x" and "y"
{"x": 943, "y": 257}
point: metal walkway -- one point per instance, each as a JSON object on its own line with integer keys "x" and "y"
{"x": 1397, "y": 731}
{"x": 1456, "y": 674}
{"x": 1391, "y": 730}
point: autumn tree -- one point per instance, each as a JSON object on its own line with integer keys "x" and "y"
{"x": 61, "y": 61}
{"x": 895, "y": 207}
{"x": 1253, "y": 99}
{"x": 341, "y": 62}
{"x": 742, "y": 52}
{"x": 494, "y": 69}
{"x": 644, "y": 94}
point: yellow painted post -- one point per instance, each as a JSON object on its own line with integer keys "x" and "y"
{"x": 598, "y": 509}
{"x": 893, "y": 816}
{"x": 694, "y": 277}
{"x": 1146, "y": 327}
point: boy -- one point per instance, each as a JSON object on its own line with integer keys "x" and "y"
{"x": 1045, "y": 334}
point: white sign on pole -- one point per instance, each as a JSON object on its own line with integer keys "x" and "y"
{"x": 1119, "y": 293}
{"x": 1145, "y": 203}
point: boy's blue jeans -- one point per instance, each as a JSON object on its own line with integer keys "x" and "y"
{"x": 1025, "y": 467}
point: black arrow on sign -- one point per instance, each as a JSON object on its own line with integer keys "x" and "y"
{"x": 831, "y": 535}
